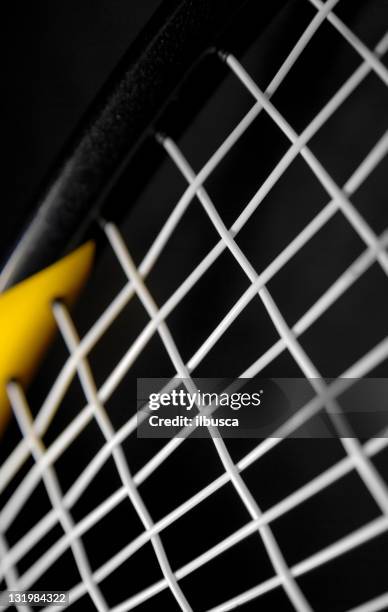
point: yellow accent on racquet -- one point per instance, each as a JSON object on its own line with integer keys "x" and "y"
{"x": 27, "y": 324}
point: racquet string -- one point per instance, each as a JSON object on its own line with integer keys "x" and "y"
{"x": 274, "y": 239}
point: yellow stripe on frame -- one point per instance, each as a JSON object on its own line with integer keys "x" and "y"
{"x": 27, "y": 324}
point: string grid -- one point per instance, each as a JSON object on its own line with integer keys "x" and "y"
{"x": 357, "y": 455}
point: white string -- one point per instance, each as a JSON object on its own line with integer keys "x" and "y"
{"x": 372, "y": 447}
{"x": 354, "y": 271}
{"x": 16, "y": 459}
{"x": 10, "y": 574}
{"x": 368, "y": 473}
{"x": 47, "y": 411}
{"x": 353, "y": 216}
{"x": 356, "y": 454}
{"x": 49, "y": 478}
{"x": 70, "y": 336}
{"x": 374, "y": 605}
{"x": 346, "y": 544}
{"x": 366, "y": 54}
{"x": 342, "y": 546}
{"x": 293, "y": 591}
